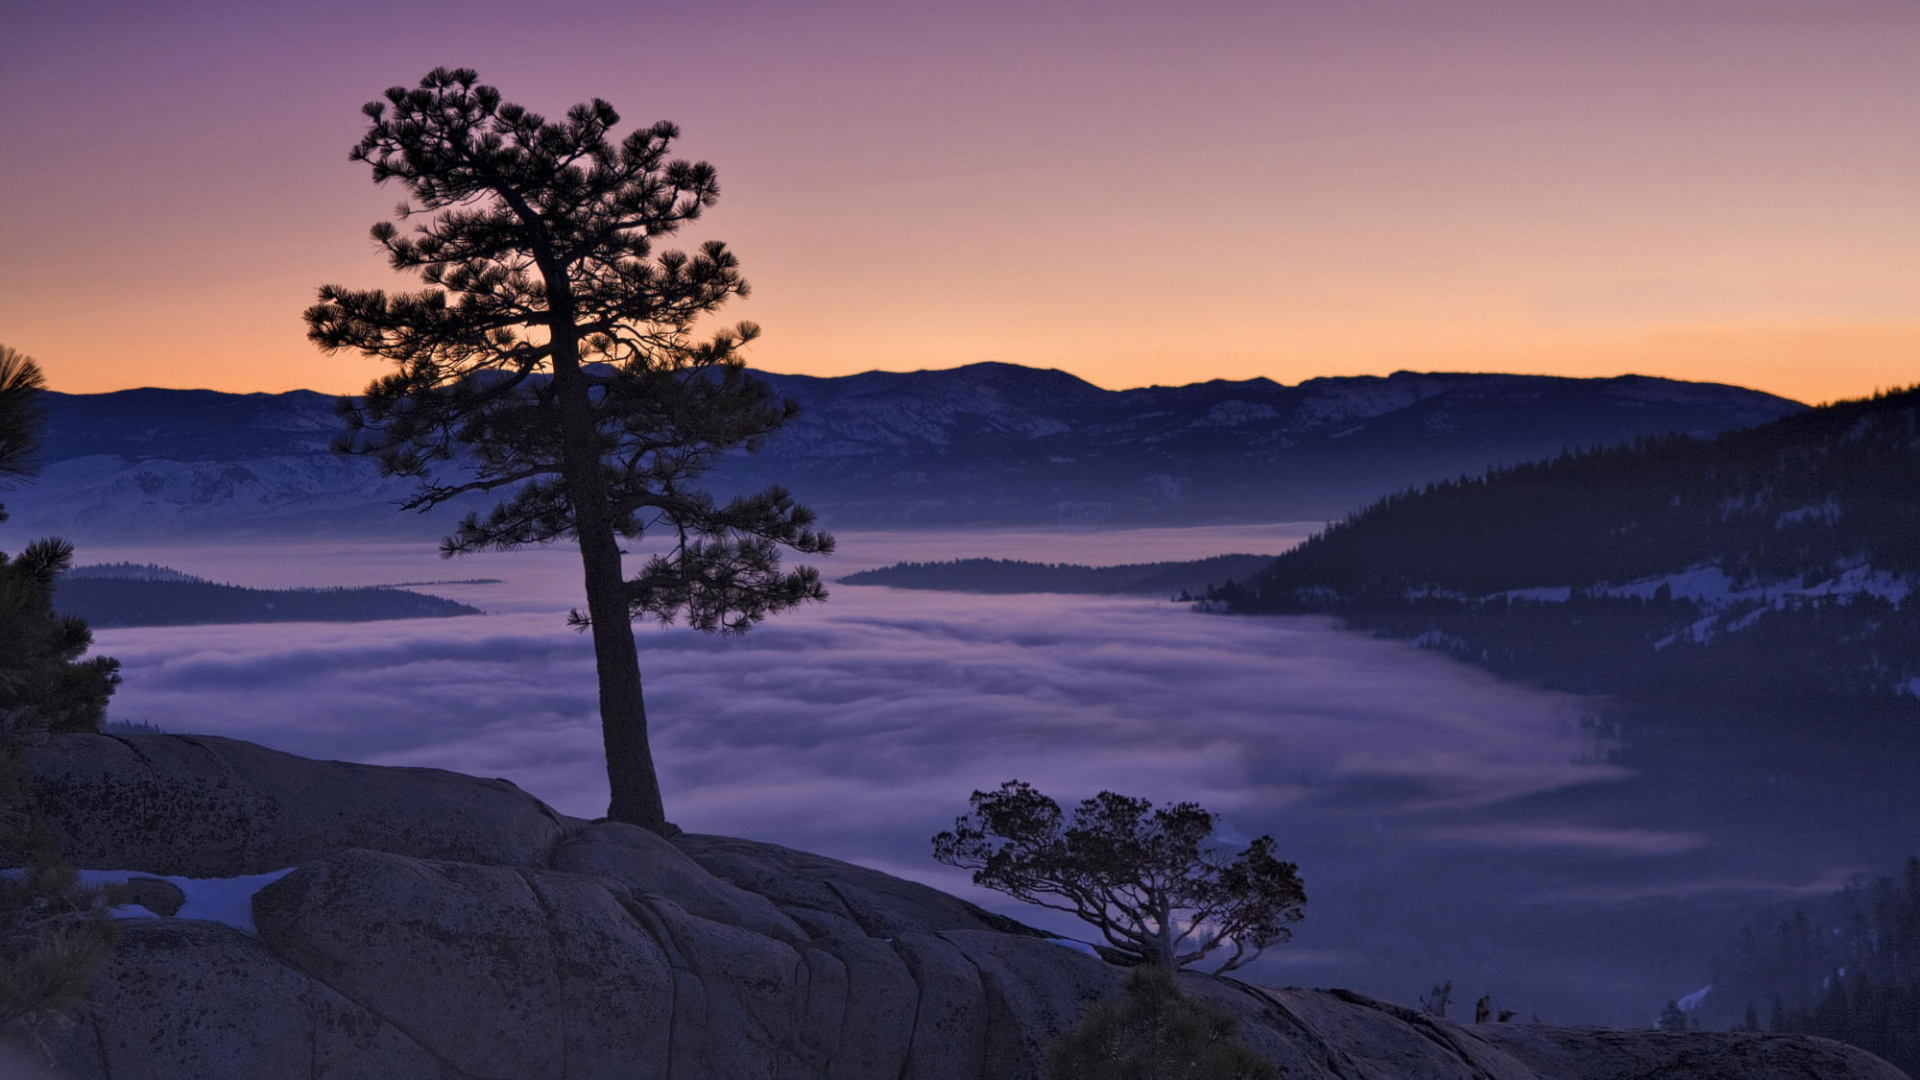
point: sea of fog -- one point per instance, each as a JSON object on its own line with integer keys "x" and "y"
{"x": 1448, "y": 826}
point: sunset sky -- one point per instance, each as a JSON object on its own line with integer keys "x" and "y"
{"x": 1725, "y": 190}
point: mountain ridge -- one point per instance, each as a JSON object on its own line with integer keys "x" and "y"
{"x": 983, "y": 444}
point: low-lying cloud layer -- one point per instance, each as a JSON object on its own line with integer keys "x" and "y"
{"x": 1435, "y": 812}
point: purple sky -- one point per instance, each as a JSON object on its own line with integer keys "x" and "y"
{"x": 1715, "y": 189}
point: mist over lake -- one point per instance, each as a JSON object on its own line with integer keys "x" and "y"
{"x": 1448, "y": 825}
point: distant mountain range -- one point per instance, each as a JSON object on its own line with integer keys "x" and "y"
{"x": 1764, "y": 574}
{"x": 978, "y": 445}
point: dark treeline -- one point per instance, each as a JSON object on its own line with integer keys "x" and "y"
{"x": 1807, "y": 495}
{"x": 1013, "y": 576}
{"x": 1849, "y": 969}
{"x": 105, "y": 602}
{"x": 1844, "y": 659}
{"x": 1799, "y": 501}
{"x": 135, "y": 571}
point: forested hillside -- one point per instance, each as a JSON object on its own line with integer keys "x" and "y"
{"x": 130, "y": 595}
{"x": 1014, "y": 576}
{"x": 1765, "y": 572}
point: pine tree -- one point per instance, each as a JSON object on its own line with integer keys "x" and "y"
{"x": 552, "y": 355}
{"x": 45, "y": 686}
{"x": 53, "y": 931}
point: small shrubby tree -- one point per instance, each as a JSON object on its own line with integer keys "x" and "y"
{"x": 1154, "y": 1033}
{"x": 1154, "y": 882}
{"x": 552, "y": 357}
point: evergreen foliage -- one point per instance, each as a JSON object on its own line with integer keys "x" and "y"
{"x": 1015, "y": 576}
{"x": 552, "y": 357}
{"x": 53, "y": 932}
{"x": 1848, "y": 969}
{"x": 160, "y": 602}
{"x": 22, "y": 415}
{"x": 1155, "y": 1033}
{"x": 45, "y": 686}
{"x": 1801, "y": 501}
{"x": 1153, "y": 881}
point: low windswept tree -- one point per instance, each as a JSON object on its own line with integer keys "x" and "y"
{"x": 552, "y": 357}
{"x": 1155, "y": 883}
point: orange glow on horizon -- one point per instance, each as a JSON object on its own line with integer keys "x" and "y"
{"x": 1716, "y": 190}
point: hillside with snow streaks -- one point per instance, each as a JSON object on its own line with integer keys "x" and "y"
{"x": 1766, "y": 573}
{"x": 978, "y": 445}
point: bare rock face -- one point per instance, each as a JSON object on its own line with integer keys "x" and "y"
{"x": 443, "y": 927}
{"x": 201, "y": 806}
{"x": 815, "y": 888}
{"x": 498, "y": 971}
{"x": 644, "y": 863}
{"x": 1585, "y": 1053}
{"x": 182, "y": 998}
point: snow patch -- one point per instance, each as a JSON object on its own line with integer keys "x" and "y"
{"x": 1706, "y": 584}
{"x": 1550, "y": 594}
{"x": 1713, "y": 589}
{"x": 1077, "y": 946}
{"x": 1825, "y": 513}
{"x": 1692, "y": 1001}
{"x": 221, "y": 900}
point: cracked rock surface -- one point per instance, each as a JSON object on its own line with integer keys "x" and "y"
{"x": 444, "y": 926}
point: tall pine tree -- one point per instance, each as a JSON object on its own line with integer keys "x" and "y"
{"x": 553, "y": 355}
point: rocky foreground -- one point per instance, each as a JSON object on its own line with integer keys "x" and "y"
{"x": 439, "y": 925}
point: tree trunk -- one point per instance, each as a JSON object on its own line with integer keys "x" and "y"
{"x": 631, "y": 779}
{"x": 1163, "y": 943}
{"x": 634, "y": 787}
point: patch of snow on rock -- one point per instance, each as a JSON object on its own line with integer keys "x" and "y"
{"x": 1077, "y": 946}
{"x": 221, "y": 900}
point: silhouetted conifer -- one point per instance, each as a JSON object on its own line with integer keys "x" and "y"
{"x": 45, "y": 686}
{"x": 552, "y": 355}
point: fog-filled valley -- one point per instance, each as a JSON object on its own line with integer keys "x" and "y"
{"x": 1449, "y": 826}
{"x": 1432, "y": 593}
